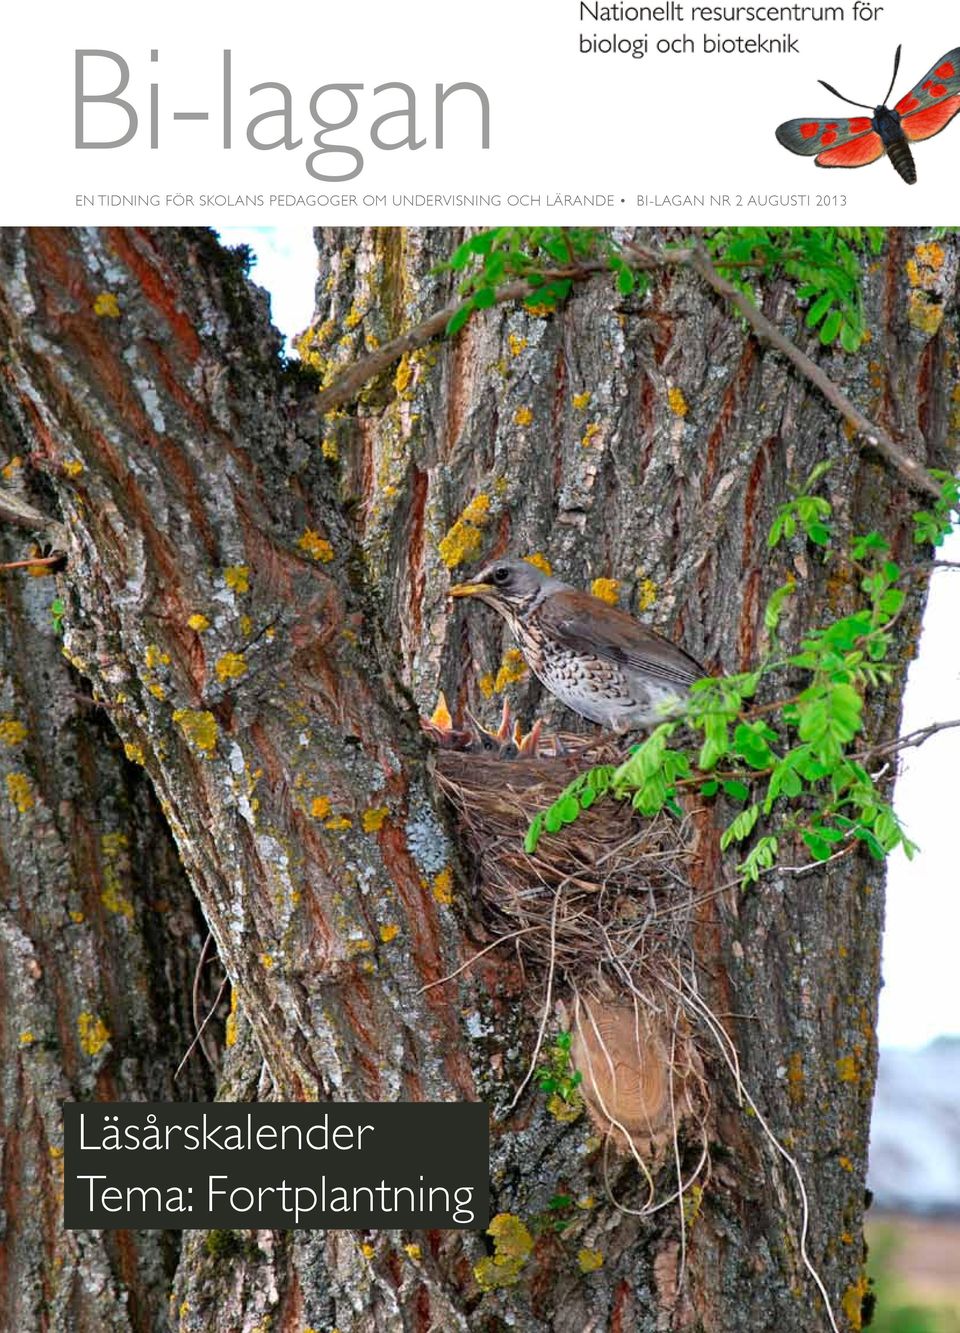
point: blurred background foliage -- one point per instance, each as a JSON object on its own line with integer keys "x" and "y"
{"x": 914, "y": 1269}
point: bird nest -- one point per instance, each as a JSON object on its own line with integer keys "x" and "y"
{"x": 603, "y": 912}
{"x": 602, "y": 915}
{"x": 612, "y": 878}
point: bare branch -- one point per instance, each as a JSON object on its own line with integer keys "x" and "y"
{"x": 31, "y": 564}
{"x": 352, "y": 380}
{"x": 910, "y": 741}
{"x": 873, "y": 435}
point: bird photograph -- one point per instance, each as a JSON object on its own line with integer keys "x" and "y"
{"x": 596, "y": 659}
{"x": 463, "y": 685}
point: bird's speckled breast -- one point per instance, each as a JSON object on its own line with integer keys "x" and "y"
{"x": 595, "y": 687}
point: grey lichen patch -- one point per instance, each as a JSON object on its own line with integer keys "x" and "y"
{"x": 498, "y": 1051}
{"x": 426, "y": 839}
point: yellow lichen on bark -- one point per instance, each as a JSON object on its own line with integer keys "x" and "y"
{"x": 18, "y": 789}
{"x": 608, "y": 590}
{"x": 464, "y": 540}
{"x": 317, "y": 547}
{"x": 539, "y": 561}
{"x": 113, "y": 850}
{"x": 513, "y": 1245}
{"x": 106, "y": 306}
{"x": 230, "y": 1027}
{"x": 199, "y": 727}
{"x": 94, "y": 1033}
{"x": 237, "y": 577}
{"x": 12, "y": 731}
{"x": 512, "y": 669}
{"x": 443, "y": 886}
{"x": 589, "y": 1260}
{"x": 230, "y": 666}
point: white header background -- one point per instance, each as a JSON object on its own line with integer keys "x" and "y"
{"x": 562, "y": 122}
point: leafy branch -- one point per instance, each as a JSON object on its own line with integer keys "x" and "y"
{"x": 547, "y": 259}
{"x": 539, "y": 266}
{"x": 792, "y": 764}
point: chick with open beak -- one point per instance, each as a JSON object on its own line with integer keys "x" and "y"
{"x": 595, "y": 659}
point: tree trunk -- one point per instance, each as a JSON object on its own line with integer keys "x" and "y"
{"x": 256, "y": 595}
{"x": 99, "y": 938}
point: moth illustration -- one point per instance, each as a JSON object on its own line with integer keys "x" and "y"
{"x": 920, "y": 114}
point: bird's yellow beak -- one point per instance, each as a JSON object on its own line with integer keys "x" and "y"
{"x": 468, "y": 589}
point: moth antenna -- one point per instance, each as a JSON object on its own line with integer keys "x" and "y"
{"x": 830, "y": 89}
{"x": 896, "y": 66}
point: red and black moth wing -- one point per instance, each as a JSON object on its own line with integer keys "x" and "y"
{"x": 840, "y": 142}
{"x": 930, "y": 107}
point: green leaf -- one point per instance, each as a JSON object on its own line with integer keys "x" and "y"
{"x": 709, "y": 788}
{"x": 819, "y": 309}
{"x": 737, "y": 791}
{"x": 760, "y": 858}
{"x": 533, "y": 835}
{"x": 569, "y": 808}
{"x": 861, "y": 547}
{"x": 774, "y": 607}
{"x": 553, "y": 819}
{"x": 740, "y": 828}
{"x": 820, "y": 848}
{"x": 461, "y": 256}
{"x": 865, "y": 836}
{"x": 851, "y": 336}
{"x": 831, "y": 327}
{"x": 750, "y": 743}
{"x": 710, "y": 754}
{"x": 459, "y": 318}
{"x": 483, "y": 242}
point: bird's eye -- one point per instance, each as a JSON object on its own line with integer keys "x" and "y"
{"x": 501, "y": 574}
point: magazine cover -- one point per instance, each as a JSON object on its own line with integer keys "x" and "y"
{"x": 478, "y": 668}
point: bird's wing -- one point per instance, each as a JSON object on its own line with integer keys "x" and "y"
{"x": 585, "y": 624}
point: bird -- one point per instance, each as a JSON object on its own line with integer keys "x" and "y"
{"x": 507, "y": 742}
{"x": 594, "y": 658}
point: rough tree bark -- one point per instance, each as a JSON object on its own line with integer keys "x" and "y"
{"x": 256, "y": 597}
{"x": 99, "y": 937}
